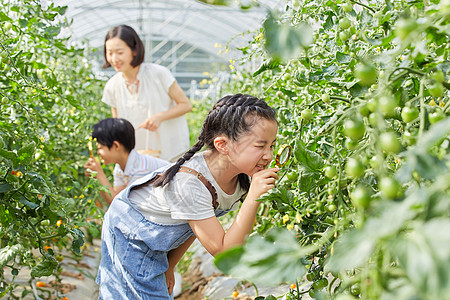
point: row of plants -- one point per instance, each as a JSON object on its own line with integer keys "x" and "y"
{"x": 49, "y": 101}
{"x": 361, "y": 90}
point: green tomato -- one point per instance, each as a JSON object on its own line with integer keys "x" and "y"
{"x": 292, "y": 176}
{"x": 354, "y": 129}
{"x": 372, "y": 105}
{"x": 5, "y": 57}
{"x": 389, "y": 187}
{"x": 355, "y": 289}
{"x": 45, "y": 222}
{"x": 436, "y": 116}
{"x": 351, "y": 144}
{"x": 345, "y": 23}
{"x": 387, "y": 104}
{"x": 436, "y": 89}
{"x": 347, "y": 7}
{"x": 325, "y": 98}
{"x": 409, "y": 137}
{"x": 344, "y": 35}
{"x": 373, "y": 119}
{"x": 360, "y": 197}
{"x": 320, "y": 284}
{"x": 330, "y": 171}
{"x": 310, "y": 276}
{"x": 438, "y": 76}
{"x": 409, "y": 114}
{"x": 306, "y": 115}
{"x": 367, "y": 74}
{"x": 354, "y": 168}
{"x": 389, "y": 142}
{"x": 38, "y": 155}
{"x": 331, "y": 207}
{"x": 7, "y": 25}
{"x": 376, "y": 161}
{"x": 364, "y": 110}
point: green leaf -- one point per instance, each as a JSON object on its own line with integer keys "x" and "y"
{"x": 283, "y": 41}
{"x": 271, "y": 260}
{"x": 351, "y": 250}
{"x": 7, "y": 154}
{"x": 78, "y": 240}
{"x": 45, "y": 268}
{"x": 8, "y": 253}
{"x": 27, "y": 151}
{"x": 38, "y": 65}
{"x": 310, "y": 160}
{"x": 28, "y": 203}
{"x": 4, "y": 17}
{"x": 343, "y": 58}
{"x": 5, "y": 187}
{"x": 268, "y": 64}
{"x": 423, "y": 253}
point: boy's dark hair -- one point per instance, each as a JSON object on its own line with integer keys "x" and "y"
{"x": 232, "y": 116}
{"x": 115, "y": 129}
{"x": 131, "y": 38}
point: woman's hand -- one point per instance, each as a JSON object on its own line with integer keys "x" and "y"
{"x": 151, "y": 123}
{"x": 262, "y": 182}
{"x": 170, "y": 280}
{"x": 92, "y": 165}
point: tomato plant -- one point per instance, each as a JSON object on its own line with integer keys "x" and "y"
{"x": 49, "y": 99}
{"x": 384, "y": 63}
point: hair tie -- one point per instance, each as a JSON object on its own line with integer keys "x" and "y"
{"x": 182, "y": 160}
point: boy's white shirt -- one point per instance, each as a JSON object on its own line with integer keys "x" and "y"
{"x": 184, "y": 198}
{"x": 138, "y": 165}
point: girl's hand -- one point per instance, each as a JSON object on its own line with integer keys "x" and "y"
{"x": 262, "y": 182}
{"x": 170, "y": 280}
{"x": 151, "y": 123}
{"x": 92, "y": 165}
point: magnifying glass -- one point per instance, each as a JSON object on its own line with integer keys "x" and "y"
{"x": 283, "y": 155}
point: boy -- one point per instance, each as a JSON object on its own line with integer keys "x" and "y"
{"x": 115, "y": 144}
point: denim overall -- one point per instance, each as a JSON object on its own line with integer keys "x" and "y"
{"x": 134, "y": 250}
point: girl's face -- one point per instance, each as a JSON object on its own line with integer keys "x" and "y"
{"x": 253, "y": 151}
{"x": 119, "y": 55}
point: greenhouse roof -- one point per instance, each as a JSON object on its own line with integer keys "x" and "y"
{"x": 191, "y": 22}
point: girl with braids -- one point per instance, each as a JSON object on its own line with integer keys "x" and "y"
{"x": 152, "y": 223}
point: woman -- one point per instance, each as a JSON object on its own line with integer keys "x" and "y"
{"x": 145, "y": 94}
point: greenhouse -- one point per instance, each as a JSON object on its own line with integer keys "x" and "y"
{"x": 224, "y": 149}
{"x": 188, "y": 37}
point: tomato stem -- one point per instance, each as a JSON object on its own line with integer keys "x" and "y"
{"x": 368, "y": 7}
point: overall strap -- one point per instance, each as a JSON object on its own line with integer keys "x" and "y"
{"x": 205, "y": 181}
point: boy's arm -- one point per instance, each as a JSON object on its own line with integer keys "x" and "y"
{"x": 174, "y": 257}
{"x": 94, "y": 165}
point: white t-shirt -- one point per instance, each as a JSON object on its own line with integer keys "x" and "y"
{"x": 172, "y": 136}
{"x": 184, "y": 198}
{"x": 138, "y": 165}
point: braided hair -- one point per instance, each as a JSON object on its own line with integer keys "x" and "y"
{"x": 229, "y": 116}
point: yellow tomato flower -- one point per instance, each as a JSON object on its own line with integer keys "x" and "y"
{"x": 285, "y": 219}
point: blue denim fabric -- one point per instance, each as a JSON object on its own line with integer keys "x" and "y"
{"x": 134, "y": 251}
